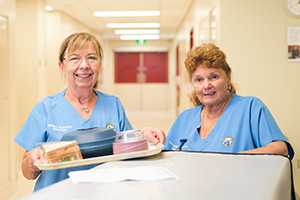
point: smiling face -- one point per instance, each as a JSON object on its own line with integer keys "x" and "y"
{"x": 83, "y": 75}
{"x": 210, "y": 85}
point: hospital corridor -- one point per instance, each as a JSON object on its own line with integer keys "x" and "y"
{"x": 144, "y": 48}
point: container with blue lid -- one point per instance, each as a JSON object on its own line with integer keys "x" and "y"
{"x": 93, "y": 142}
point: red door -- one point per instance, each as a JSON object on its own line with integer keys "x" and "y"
{"x": 155, "y": 67}
{"x": 146, "y": 67}
{"x": 126, "y": 65}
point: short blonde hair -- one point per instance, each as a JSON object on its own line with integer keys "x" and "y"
{"x": 79, "y": 41}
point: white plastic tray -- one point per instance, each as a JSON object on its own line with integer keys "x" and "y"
{"x": 153, "y": 150}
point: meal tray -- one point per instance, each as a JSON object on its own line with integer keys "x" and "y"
{"x": 153, "y": 150}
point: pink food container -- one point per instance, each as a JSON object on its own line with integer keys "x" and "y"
{"x": 129, "y": 141}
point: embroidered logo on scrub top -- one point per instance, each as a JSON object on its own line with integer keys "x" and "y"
{"x": 59, "y": 128}
{"x": 227, "y": 141}
{"x": 111, "y": 126}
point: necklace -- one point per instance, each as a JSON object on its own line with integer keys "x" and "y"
{"x": 204, "y": 131}
{"x": 87, "y": 110}
{"x": 204, "y": 134}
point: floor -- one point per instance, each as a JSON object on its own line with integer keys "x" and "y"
{"x": 138, "y": 119}
{"x": 155, "y": 119}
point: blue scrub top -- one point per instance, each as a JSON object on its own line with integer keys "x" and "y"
{"x": 54, "y": 116}
{"x": 245, "y": 124}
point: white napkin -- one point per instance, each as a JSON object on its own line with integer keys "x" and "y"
{"x": 121, "y": 174}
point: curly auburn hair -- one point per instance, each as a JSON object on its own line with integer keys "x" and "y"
{"x": 212, "y": 57}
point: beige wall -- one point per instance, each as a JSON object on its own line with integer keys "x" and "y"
{"x": 253, "y": 34}
{"x": 8, "y": 114}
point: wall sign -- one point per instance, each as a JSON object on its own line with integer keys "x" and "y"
{"x": 293, "y": 44}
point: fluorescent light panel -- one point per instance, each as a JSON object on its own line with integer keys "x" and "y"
{"x": 132, "y": 25}
{"x": 136, "y": 31}
{"x": 139, "y": 37}
{"x": 126, "y": 13}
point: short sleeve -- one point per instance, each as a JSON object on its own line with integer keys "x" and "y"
{"x": 34, "y": 129}
{"x": 123, "y": 122}
{"x": 264, "y": 127}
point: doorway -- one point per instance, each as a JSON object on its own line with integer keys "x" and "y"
{"x": 141, "y": 79}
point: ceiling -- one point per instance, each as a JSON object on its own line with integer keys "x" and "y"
{"x": 172, "y": 13}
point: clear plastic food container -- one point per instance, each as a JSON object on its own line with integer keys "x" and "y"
{"x": 129, "y": 141}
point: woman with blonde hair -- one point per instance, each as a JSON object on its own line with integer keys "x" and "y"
{"x": 79, "y": 106}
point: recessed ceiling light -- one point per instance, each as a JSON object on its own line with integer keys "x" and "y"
{"x": 136, "y": 31}
{"x": 213, "y": 24}
{"x": 48, "y": 8}
{"x": 133, "y": 25}
{"x": 139, "y": 37}
{"x": 126, "y": 13}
